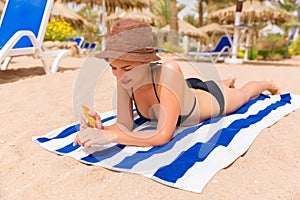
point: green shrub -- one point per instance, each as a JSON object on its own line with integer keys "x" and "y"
{"x": 294, "y": 48}
{"x": 274, "y": 56}
{"x": 193, "y": 49}
{"x": 263, "y": 53}
{"x": 272, "y": 47}
{"x": 252, "y": 54}
{"x": 271, "y": 54}
{"x": 271, "y": 42}
{"x": 170, "y": 48}
{"x": 58, "y": 30}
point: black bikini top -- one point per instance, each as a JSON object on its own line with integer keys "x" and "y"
{"x": 181, "y": 118}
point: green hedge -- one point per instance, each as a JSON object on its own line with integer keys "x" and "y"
{"x": 171, "y": 48}
{"x": 271, "y": 54}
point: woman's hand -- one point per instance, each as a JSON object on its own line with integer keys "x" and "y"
{"x": 84, "y": 121}
{"x": 92, "y": 136}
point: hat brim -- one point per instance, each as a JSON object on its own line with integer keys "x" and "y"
{"x": 129, "y": 56}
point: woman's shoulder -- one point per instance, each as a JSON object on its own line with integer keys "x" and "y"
{"x": 173, "y": 65}
{"x": 166, "y": 64}
{"x": 169, "y": 71}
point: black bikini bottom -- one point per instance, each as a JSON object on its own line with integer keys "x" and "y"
{"x": 210, "y": 87}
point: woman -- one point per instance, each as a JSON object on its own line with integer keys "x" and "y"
{"x": 159, "y": 92}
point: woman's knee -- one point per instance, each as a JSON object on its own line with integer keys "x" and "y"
{"x": 247, "y": 94}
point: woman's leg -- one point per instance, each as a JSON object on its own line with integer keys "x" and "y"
{"x": 235, "y": 98}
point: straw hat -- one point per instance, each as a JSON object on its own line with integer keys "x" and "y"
{"x": 130, "y": 40}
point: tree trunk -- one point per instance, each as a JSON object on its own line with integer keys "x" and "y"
{"x": 174, "y": 23}
{"x": 210, "y": 5}
{"x": 200, "y": 12}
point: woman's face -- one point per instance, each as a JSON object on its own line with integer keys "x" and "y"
{"x": 129, "y": 73}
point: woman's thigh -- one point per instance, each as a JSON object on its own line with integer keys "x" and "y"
{"x": 207, "y": 104}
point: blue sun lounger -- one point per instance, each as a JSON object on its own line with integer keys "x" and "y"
{"x": 222, "y": 49}
{"x": 22, "y": 29}
{"x": 87, "y": 47}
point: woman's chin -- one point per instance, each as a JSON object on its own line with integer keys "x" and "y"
{"x": 126, "y": 84}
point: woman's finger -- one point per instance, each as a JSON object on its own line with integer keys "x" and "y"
{"x": 84, "y": 119}
{"x": 83, "y": 126}
{"x": 76, "y": 140}
{"x": 98, "y": 120}
{"x": 88, "y": 144}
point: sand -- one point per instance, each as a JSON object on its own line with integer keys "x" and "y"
{"x": 32, "y": 104}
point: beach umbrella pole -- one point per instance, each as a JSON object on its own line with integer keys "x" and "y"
{"x": 233, "y": 59}
{"x": 103, "y": 25}
{"x": 248, "y": 45}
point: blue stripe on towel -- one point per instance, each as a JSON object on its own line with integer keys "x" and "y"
{"x": 67, "y": 149}
{"x": 200, "y": 151}
{"x": 108, "y": 118}
{"x": 286, "y": 97}
{"x": 129, "y": 161}
{"x": 65, "y": 133}
{"x": 245, "y": 108}
{"x": 98, "y": 156}
{"x": 138, "y": 122}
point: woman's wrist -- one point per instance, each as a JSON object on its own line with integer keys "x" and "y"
{"x": 111, "y": 136}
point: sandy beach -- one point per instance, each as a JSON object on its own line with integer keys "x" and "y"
{"x": 33, "y": 104}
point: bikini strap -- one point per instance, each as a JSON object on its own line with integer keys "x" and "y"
{"x": 132, "y": 94}
{"x": 152, "y": 77}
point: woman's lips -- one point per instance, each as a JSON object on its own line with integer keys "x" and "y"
{"x": 125, "y": 81}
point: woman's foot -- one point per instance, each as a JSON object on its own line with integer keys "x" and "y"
{"x": 273, "y": 88}
{"x": 230, "y": 81}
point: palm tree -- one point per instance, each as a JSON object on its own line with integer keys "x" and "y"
{"x": 167, "y": 10}
{"x": 174, "y": 23}
{"x": 190, "y": 18}
{"x": 200, "y": 12}
{"x": 211, "y": 5}
{"x": 162, "y": 10}
{"x": 288, "y": 5}
{"x": 173, "y": 15}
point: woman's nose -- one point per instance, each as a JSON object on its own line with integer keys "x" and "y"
{"x": 120, "y": 74}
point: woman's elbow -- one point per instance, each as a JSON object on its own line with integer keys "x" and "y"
{"x": 161, "y": 139}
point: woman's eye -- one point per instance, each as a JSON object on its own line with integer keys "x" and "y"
{"x": 126, "y": 70}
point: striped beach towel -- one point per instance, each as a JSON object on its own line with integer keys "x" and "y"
{"x": 194, "y": 154}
